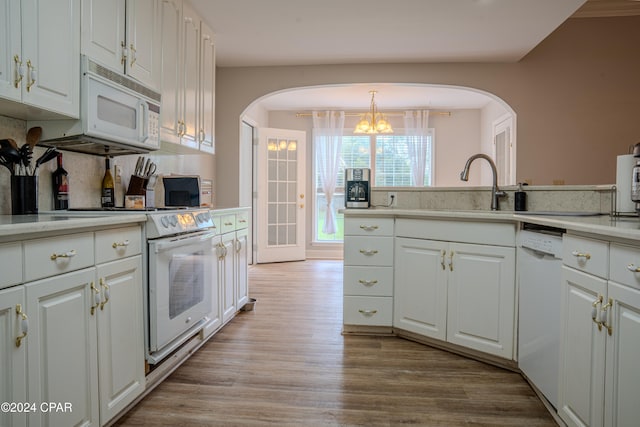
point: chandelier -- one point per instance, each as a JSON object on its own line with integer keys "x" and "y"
{"x": 373, "y": 121}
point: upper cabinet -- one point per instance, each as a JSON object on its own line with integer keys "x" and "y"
{"x": 39, "y": 54}
{"x": 124, "y": 36}
{"x": 188, "y": 78}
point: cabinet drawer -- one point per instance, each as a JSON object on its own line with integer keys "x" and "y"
{"x": 57, "y": 255}
{"x": 227, "y": 223}
{"x": 368, "y": 226}
{"x": 376, "y": 251}
{"x": 242, "y": 220}
{"x": 118, "y": 243}
{"x": 368, "y": 281}
{"x": 370, "y": 311}
{"x": 588, "y": 255}
{"x": 481, "y": 233}
{"x": 11, "y": 264}
{"x": 624, "y": 265}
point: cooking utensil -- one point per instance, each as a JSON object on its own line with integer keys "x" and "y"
{"x": 48, "y": 155}
{"x": 149, "y": 170}
{"x": 33, "y": 136}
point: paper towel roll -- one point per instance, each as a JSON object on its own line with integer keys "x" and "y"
{"x": 624, "y": 173}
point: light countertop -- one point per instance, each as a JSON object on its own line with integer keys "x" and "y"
{"x": 627, "y": 228}
{"x": 25, "y": 225}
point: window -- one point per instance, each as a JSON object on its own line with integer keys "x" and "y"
{"x": 388, "y": 156}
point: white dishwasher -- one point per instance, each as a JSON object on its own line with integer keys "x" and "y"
{"x": 539, "y": 256}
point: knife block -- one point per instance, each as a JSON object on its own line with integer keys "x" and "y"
{"x": 137, "y": 186}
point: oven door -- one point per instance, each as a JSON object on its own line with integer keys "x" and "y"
{"x": 180, "y": 285}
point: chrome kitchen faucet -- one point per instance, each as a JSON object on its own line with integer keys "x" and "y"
{"x": 496, "y": 193}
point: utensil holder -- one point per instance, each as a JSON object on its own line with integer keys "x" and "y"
{"x": 24, "y": 194}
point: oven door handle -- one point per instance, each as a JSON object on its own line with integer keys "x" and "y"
{"x": 163, "y": 245}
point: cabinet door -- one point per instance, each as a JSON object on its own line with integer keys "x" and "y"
{"x": 226, "y": 276}
{"x": 120, "y": 335}
{"x": 215, "y": 316}
{"x": 143, "y": 35}
{"x": 420, "y": 287}
{"x": 582, "y": 351}
{"x": 10, "y": 46}
{"x": 206, "y": 134}
{"x": 191, "y": 49}
{"x": 623, "y": 352}
{"x": 171, "y": 65}
{"x": 240, "y": 264}
{"x": 13, "y": 379}
{"x": 481, "y": 301}
{"x": 103, "y": 32}
{"x": 62, "y": 357}
{"x": 52, "y": 81}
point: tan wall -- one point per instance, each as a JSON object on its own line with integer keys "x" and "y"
{"x": 576, "y": 96}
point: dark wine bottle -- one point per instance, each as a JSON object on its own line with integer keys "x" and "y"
{"x": 108, "y": 199}
{"x": 60, "y": 180}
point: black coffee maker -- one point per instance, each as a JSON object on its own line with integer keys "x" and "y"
{"x": 357, "y": 188}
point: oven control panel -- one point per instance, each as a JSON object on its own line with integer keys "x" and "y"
{"x": 167, "y": 223}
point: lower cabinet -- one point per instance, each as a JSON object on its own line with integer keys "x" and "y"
{"x": 62, "y": 356}
{"x": 121, "y": 366}
{"x": 85, "y": 345}
{"x": 240, "y": 264}
{"x": 225, "y": 253}
{"x": 13, "y": 355}
{"x": 458, "y": 292}
{"x": 600, "y": 334}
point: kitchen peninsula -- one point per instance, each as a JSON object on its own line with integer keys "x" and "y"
{"x": 448, "y": 279}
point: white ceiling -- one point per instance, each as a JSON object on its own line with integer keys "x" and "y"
{"x": 307, "y": 32}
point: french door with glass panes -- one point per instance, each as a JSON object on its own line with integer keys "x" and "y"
{"x": 281, "y": 200}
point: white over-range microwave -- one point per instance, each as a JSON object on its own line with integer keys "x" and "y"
{"x": 115, "y": 112}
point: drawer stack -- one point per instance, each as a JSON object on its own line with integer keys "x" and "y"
{"x": 368, "y": 272}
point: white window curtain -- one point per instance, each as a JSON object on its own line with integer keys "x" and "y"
{"x": 327, "y": 135}
{"x": 416, "y": 125}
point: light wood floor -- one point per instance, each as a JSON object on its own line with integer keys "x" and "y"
{"x": 286, "y": 363}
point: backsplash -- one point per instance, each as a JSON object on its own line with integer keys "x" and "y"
{"x": 588, "y": 198}
{"x": 86, "y": 171}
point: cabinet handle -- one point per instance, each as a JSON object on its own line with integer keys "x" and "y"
{"x": 367, "y": 282}
{"x": 24, "y": 324}
{"x": 69, "y": 254}
{"x": 368, "y": 252}
{"x": 133, "y": 54}
{"x": 451, "y": 260}
{"x": 221, "y": 251}
{"x": 19, "y": 72}
{"x": 367, "y": 312}
{"x": 31, "y": 75}
{"x": 604, "y": 315}
{"x": 228, "y": 223}
{"x": 632, "y": 268}
{"x": 107, "y": 293}
{"x": 123, "y": 55}
{"x": 97, "y": 299}
{"x": 369, "y": 227}
{"x": 238, "y": 245}
{"x": 201, "y": 135}
{"x": 242, "y": 221}
{"x": 581, "y": 255}
{"x": 116, "y": 245}
{"x": 444, "y": 254}
{"x": 594, "y": 311}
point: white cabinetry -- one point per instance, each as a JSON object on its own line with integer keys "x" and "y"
{"x": 120, "y": 333}
{"x": 124, "y": 36}
{"x": 368, "y": 273}
{"x": 62, "y": 354}
{"x": 188, "y": 77}
{"x": 37, "y": 69}
{"x": 231, "y": 250}
{"x": 13, "y": 355}
{"x": 82, "y": 314}
{"x": 600, "y": 334}
{"x": 463, "y": 293}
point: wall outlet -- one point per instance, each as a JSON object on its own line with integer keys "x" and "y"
{"x": 392, "y": 199}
